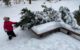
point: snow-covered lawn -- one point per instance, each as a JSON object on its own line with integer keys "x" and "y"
{"x": 26, "y": 40}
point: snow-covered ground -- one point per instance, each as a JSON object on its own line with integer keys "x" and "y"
{"x": 26, "y": 40}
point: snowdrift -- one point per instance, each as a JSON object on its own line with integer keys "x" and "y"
{"x": 53, "y": 26}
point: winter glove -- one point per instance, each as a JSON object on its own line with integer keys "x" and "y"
{"x": 16, "y": 25}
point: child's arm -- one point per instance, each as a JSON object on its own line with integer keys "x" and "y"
{"x": 13, "y": 22}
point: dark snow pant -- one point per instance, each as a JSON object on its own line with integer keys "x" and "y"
{"x": 11, "y": 33}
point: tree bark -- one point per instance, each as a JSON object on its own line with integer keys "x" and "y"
{"x": 29, "y": 1}
{"x": 79, "y": 8}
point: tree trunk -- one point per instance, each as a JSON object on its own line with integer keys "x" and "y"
{"x": 79, "y": 8}
{"x": 29, "y": 1}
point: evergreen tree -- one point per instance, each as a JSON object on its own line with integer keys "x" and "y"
{"x": 31, "y": 19}
{"x": 27, "y": 17}
{"x": 63, "y": 12}
{"x": 51, "y": 14}
{"x": 77, "y": 15}
{"x": 69, "y": 18}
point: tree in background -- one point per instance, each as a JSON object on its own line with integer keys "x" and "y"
{"x": 29, "y": 1}
{"x": 49, "y": 0}
{"x": 7, "y": 2}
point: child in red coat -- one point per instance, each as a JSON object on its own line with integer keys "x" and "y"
{"x": 9, "y": 28}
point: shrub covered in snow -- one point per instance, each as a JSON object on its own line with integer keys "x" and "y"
{"x": 52, "y": 14}
{"x": 77, "y": 15}
{"x": 30, "y": 19}
{"x": 68, "y": 17}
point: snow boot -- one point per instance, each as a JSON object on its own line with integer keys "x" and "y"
{"x": 14, "y": 36}
{"x": 10, "y": 37}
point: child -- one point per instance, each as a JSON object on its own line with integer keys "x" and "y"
{"x": 9, "y": 28}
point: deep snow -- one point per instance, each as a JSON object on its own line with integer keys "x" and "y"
{"x": 39, "y": 29}
{"x": 26, "y": 40}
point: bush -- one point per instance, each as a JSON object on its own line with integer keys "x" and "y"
{"x": 77, "y": 15}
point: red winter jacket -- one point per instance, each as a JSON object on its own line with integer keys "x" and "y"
{"x": 8, "y": 25}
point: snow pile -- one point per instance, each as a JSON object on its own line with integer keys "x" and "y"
{"x": 69, "y": 27}
{"x": 51, "y": 26}
{"x": 45, "y": 27}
